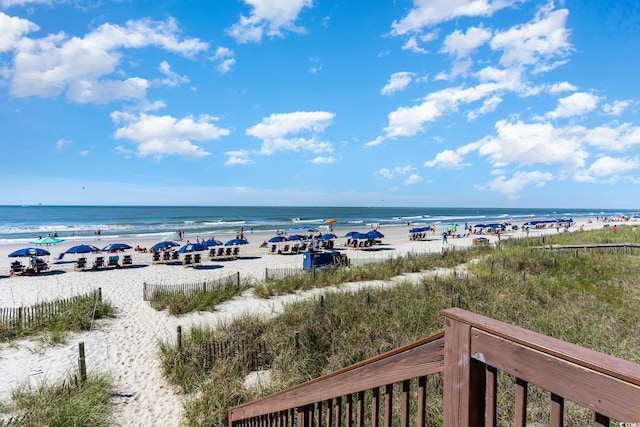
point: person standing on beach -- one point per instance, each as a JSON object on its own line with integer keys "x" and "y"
{"x": 444, "y": 238}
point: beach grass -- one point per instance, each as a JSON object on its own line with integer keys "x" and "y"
{"x": 53, "y": 326}
{"x": 587, "y": 297}
{"x": 63, "y": 404}
{"x": 178, "y": 302}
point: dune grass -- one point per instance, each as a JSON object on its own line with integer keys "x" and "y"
{"x": 590, "y": 298}
{"x": 199, "y": 300}
{"x": 60, "y": 405}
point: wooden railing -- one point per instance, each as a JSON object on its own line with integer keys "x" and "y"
{"x": 470, "y": 353}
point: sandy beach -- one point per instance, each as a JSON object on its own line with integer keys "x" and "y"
{"x": 127, "y": 345}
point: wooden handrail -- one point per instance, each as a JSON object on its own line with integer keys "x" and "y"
{"x": 599, "y": 362}
{"x": 422, "y": 357}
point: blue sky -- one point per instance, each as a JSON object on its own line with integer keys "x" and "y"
{"x": 484, "y": 103}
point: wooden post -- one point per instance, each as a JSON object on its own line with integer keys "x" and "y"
{"x": 82, "y": 364}
{"x": 179, "y": 339}
{"x": 238, "y": 276}
{"x": 100, "y": 295}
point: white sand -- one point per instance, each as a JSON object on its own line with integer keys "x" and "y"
{"x": 127, "y": 346}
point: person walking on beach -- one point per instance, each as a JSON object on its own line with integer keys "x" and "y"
{"x": 444, "y": 238}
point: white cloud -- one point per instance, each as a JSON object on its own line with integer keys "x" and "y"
{"x": 385, "y": 173}
{"x": 536, "y": 42}
{"x": 61, "y": 143}
{"x": 576, "y": 104}
{"x": 277, "y": 131}
{"x": 413, "y": 179}
{"x": 412, "y": 45}
{"x": 239, "y": 157}
{"x": 403, "y": 170}
{"x": 447, "y": 159}
{"x": 398, "y": 81}
{"x": 12, "y": 29}
{"x": 173, "y": 79}
{"x": 165, "y": 135}
{"x": 562, "y": 87}
{"x": 460, "y": 44}
{"x": 430, "y": 12}
{"x": 8, "y": 3}
{"x": 616, "y": 108}
{"x": 320, "y": 160}
{"x": 525, "y": 144}
{"x": 58, "y": 63}
{"x": 225, "y": 59}
{"x": 608, "y": 168}
{"x": 268, "y": 17}
{"x": 518, "y": 182}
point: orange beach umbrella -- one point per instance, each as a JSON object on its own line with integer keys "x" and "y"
{"x": 330, "y": 221}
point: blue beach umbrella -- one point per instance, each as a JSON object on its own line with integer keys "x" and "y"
{"x": 192, "y": 247}
{"x": 233, "y": 242}
{"x": 351, "y": 233}
{"x": 163, "y": 245}
{"x": 116, "y": 247}
{"x": 82, "y": 249}
{"x": 277, "y": 239}
{"x": 29, "y": 252}
{"x": 375, "y": 234}
{"x": 211, "y": 242}
{"x": 328, "y": 236}
{"x": 296, "y": 237}
{"x": 360, "y": 236}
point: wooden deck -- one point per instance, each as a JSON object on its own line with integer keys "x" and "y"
{"x": 470, "y": 353}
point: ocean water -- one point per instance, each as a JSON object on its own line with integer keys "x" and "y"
{"x": 21, "y": 224}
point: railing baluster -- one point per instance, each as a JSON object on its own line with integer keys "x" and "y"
{"x": 557, "y": 411}
{"x": 521, "y": 403}
{"x": 406, "y": 384}
{"x": 339, "y": 412}
{"x": 491, "y": 396}
{"x": 360, "y": 411}
{"x": 375, "y": 406}
{"x": 349, "y": 411}
{"x": 422, "y": 401}
{"x": 601, "y": 421}
{"x": 329, "y": 419}
{"x": 388, "y": 405}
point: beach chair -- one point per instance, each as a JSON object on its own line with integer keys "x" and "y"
{"x": 155, "y": 258}
{"x": 285, "y": 250}
{"x": 17, "y": 268}
{"x": 227, "y": 253}
{"x": 212, "y": 254}
{"x": 113, "y": 261}
{"x": 187, "y": 261}
{"x": 59, "y": 257}
{"x": 39, "y": 265}
{"x": 98, "y": 263}
{"x": 166, "y": 256}
{"x": 127, "y": 260}
{"x": 81, "y": 264}
{"x": 197, "y": 259}
{"x": 295, "y": 249}
{"x": 236, "y": 252}
{"x": 220, "y": 253}
{"x": 273, "y": 249}
{"x": 175, "y": 256}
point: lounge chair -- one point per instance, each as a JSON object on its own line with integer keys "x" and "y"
{"x": 166, "y": 256}
{"x": 273, "y": 249}
{"x": 156, "y": 257}
{"x": 285, "y": 251}
{"x": 227, "y": 253}
{"x": 98, "y": 263}
{"x": 212, "y": 253}
{"x": 127, "y": 260}
{"x": 220, "y": 253}
{"x": 187, "y": 261}
{"x": 114, "y": 261}
{"x": 17, "y": 268}
{"x": 303, "y": 247}
{"x": 197, "y": 258}
{"x": 39, "y": 265}
{"x": 175, "y": 256}
{"x": 295, "y": 248}
{"x": 236, "y": 252}
{"x": 81, "y": 264}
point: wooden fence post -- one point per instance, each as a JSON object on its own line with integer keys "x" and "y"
{"x": 82, "y": 364}
{"x": 238, "y": 275}
{"x": 179, "y": 339}
{"x": 100, "y": 295}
